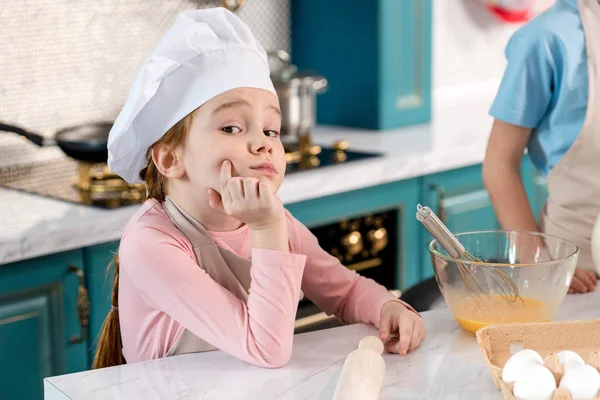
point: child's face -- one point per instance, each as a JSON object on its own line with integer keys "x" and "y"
{"x": 242, "y": 126}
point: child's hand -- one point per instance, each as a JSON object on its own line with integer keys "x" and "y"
{"x": 397, "y": 319}
{"x": 247, "y": 200}
{"x": 583, "y": 281}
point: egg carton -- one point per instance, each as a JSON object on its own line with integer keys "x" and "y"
{"x": 498, "y": 342}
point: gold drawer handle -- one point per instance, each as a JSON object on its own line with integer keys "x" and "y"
{"x": 83, "y": 306}
{"x": 362, "y": 265}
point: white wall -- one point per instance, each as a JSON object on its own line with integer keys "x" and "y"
{"x": 468, "y": 44}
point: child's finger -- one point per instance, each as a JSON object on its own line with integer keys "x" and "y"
{"x": 585, "y": 279}
{"x": 264, "y": 191}
{"x": 226, "y": 196}
{"x": 592, "y": 276}
{"x": 391, "y": 346}
{"x": 225, "y": 172}
{"x": 578, "y": 286}
{"x": 416, "y": 338}
{"x": 236, "y": 189}
{"x": 251, "y": 188}
{"x": 224, "y": 181}
{"x": 406, "y": 330}
{"x": 395, "y": 347}
{"x": 215, "y": 200}
{"x": 385, "y": 327}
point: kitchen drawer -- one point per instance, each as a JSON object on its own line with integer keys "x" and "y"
{"x": 41, "y": 333}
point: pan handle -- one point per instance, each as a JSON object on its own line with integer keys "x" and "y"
{"x": 33, "y": 137}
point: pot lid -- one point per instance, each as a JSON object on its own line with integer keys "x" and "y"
{"x": 287, "y": 73}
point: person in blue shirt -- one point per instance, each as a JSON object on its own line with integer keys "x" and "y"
{"x": 542, "y": 106}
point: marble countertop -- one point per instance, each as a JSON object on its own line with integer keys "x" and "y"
{"x": 447, "y": 366}
{"x": 32, "y": 226}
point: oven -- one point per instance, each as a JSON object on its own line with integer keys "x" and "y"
{"x": 366, "y": 244}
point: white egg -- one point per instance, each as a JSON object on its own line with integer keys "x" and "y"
{"x": 582, "y": 381}
{"x": 569, "y": 359}
{"x": 535, "y": 382}
{"x": 518, "y": 362}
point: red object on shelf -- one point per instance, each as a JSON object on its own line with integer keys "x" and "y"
{"x": 510, "y": 16}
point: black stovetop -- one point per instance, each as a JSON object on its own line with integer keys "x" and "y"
{"x": 327, "y": 159}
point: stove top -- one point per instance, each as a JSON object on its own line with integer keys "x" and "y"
{"x": 326, "y": 158}
{"x": 63, "y": 179}
{"x": 93, "y": 185}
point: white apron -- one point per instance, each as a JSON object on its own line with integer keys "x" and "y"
{"x": 574, "y": 183}
{"x": 223, "y": 266}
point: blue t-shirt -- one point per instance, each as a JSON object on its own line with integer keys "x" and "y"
{"x": 545, "y": 85}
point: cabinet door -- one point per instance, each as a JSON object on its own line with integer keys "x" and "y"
{"x": 404, "y": 70}
{"x": 40, "y": 330}
{"x": 387, "y": 43}
{"x": 100, "y": 283}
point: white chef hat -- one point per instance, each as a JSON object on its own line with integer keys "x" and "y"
{"x": 203, "y": 54}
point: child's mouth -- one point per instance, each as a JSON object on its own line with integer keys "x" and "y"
{"x": 266, "y": 168}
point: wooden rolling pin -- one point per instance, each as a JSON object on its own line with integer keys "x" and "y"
{"x": 362, "y": 372}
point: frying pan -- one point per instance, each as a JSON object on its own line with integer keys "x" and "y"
{"x": 87, "y": 142}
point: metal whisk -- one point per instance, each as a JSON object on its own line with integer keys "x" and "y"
{"x": 494, "y": 277}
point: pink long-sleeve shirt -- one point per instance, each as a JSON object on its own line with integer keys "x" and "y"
{"x": 163, "y": 291}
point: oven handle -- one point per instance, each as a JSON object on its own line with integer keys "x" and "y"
{"x": 322, "y": 317}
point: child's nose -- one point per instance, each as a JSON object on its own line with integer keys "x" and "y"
{"x": 261, "y": 143}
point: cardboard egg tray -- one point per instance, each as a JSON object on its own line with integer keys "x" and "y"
{"x": 498, "y": 342}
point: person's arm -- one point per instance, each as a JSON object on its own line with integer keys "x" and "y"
{"x": 503, "y": 181}
{"x": 523, "y": 100}
{"x": 353, "y": 298}
{"x": 502, "y": 176}
{"x": 169, "y": 280}
{"x": 334, "y": 288}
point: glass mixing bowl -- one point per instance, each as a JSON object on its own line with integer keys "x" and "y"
{"x": 479, "y": 294}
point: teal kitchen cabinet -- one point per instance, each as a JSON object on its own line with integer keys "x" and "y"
{"x": 376, "y": 56}
{"x": 100, "y": 278}
{"x": 461, "y": 201}
{"x": 401, "y": 196}
{"x": 43, "y": 322}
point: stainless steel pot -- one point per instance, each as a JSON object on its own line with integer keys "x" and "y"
{"x": 297, "y": 95}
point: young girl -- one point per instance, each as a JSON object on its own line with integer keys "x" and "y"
{"x": 546, "y": 102}
{"x": 212, "y": 259}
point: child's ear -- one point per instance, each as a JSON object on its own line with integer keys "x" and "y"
{"x": 167, "y": 161}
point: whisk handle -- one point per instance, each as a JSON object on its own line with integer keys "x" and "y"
{"x": 440, "y": 232}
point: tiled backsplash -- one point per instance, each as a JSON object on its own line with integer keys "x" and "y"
{"x": 64, "y": 62}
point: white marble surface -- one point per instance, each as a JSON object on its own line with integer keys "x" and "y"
{"x": 447, "y": 366}
{"x": 32, "y": 226}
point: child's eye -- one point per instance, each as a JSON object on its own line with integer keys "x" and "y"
{"x": 272, "y": 134}
{"x": 232, "y": 130}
